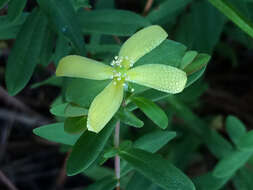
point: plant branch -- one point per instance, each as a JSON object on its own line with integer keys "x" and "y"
{"x": 147, "y": 7}
{"x": 117, "y": 158}
{"x": 7, "y": 182}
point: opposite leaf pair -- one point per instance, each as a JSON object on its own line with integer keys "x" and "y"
{"x": 105, "y": 105}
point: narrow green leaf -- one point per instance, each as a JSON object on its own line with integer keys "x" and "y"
{"x": 154, "y": 141}
{"x": 243, "y": 179}
{"x": 73, "y": 110}
{"x": 87, "y": 149}
{"x": 25, "y": 53}
{"x": 157, "y": 169}
{"x": 107, "y": 183}
{"x": 234, "y": 15}
{"x": 75, "y": 125}
{"x": 246, "y": 142}
{"x": 62, "y": 49}
{"x": 9, "y": 30}
{"x": 55, "y": 133}
{"x": 235, "y": 128}
{"x": 129, "y": 118}
{"x": 195, "y": 76}
{"x": 58, "y": 110}
{"x": 231, "y": 163}
{"x": 64, "y": 18}
{"x": 111, "y": 22}
{"x": 199, "y": 62}
{"x": 188, "y": 58}
{"x": 15, "y": 9}
{"x": 54, "y": 81}
{"x": 152, "y": 111}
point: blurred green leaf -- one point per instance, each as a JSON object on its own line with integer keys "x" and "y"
{"x": 54, "y": 81}
{"x": 58, "y": 110}
{"x": 167, "y": 10}
{"x": 83, "y": 91}
{"x": 152, "y": 111}
{"x": 243, "y": 179}
{"x": 87, "y": 149}
{"x": 138, "y": 182}
{"x": 55, "y": 133}
{"x": 15, "y": 9}
{"x": 24, "y": 55}
{"x": 9, "y": 30}
{"x": 62, "y": 49}
{"x": 199, "y": 62}
{"x": 157, "y": 169}
{"x": 64, "y": 18}
{"x": 96, "y": 172}
{"x": 3, "y": 3}
{"x": 235, "y": 128}
{"x": 188, "y": 58}
{"x": 246, "y": 142}
{"x": 231, "y": 163}
{"x": 209, "y": 182}
{"x": 129, "y": 118}
{"x": 77, "y": 4}
{"x": 107, "y": 183}
{"x": 154, "y": 141}
{"x": 234, "y": 15}
{"x": 111, "y": 22}
{"x": 73, "y": 110}
{"x": 200, "y": 29}
{"x": 75, "y": 125}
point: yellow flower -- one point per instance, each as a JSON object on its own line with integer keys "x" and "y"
{"x": 105, "y": 105}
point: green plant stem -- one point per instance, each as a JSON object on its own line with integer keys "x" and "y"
{"x": 117, "y": 158}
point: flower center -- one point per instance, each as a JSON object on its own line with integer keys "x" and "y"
{"x": 120, "y": 69}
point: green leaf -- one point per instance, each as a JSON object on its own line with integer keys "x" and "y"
{"x": 15, "y": 9}
{"x": 107, "y": 183}
{"x": 58, "y": 110}
{"x": 188, "y": 58}
{"x": 55, "y": 133}
{"x": 167, "y": 10}
{"x": 77, "y": 4}
{"x": 243, "y": 179}
{"x": 154, "y": 141}
{"x": 73, "y": 110}
{"x": 111, "y": 22}
{"x": 235, "y": 128}
{"x": 62, "y": 48}
{"x": 200, "y": 61}
{"x": 138, "y": 182}
{"x": 245, "y": 142}
{"x": 152, "y": 111}
{"x": 201, "y": 27}
{"x": 74, "y": 125}
{"x": 64, "y": 18}
{"x": 54, "y": 81}
{"x": 157, "y": 169}
{"x": 231, "y": 163}
{"x": 194, "y": 77}
{"x": 96, "y": 172}
{"x": 9, "y": 30}
{"x": 25, "y": 53}
{"x": 83, "y": 91}
{"x": 234, "y": 15}
{"x": 209, "y": 182}
{"x": 168, "y": 52}
{"x": 129, "y": 118}
{"x": 3, "y": 3}
{"x": 87, "y": 149}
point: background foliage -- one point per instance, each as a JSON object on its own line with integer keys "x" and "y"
{"x": 208, "y": 136}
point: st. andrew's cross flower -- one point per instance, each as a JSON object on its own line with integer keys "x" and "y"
{"x": 158, "y": 76}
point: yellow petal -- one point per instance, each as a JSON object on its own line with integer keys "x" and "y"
{"x": 104, "y": 106}
{"x": 160, "y": 77}
{"x": 141, "y": 43}
{"x": 82, "y": 67}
